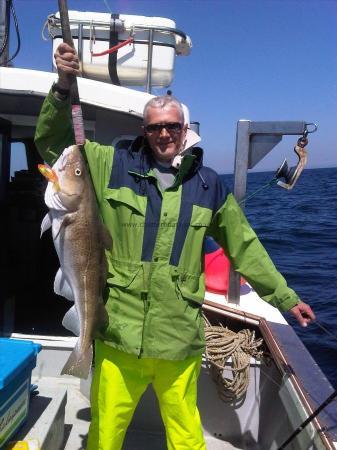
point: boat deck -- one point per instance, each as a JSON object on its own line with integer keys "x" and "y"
{"x": 59, "y": 415}
{"x": 59, "y": 418}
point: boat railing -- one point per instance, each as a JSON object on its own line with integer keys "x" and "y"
{"x": 117, "y": 24}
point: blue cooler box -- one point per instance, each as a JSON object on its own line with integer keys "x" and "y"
{"x": 17, "y": 360}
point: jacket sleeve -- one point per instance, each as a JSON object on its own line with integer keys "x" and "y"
{"x": 54, "y": 130}
{"x": 54, "y": 133}
{"x": 232, "y": 231}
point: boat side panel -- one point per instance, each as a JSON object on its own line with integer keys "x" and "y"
{"x": 311, "y": 383}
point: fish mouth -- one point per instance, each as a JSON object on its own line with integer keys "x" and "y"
{"x": 50, "y": 174}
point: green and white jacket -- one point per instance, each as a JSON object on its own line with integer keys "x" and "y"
{"x": 155, "y": 285}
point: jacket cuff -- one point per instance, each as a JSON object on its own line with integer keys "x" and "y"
{"x": 57, "y": 102}
{"x": 289, "y": 303}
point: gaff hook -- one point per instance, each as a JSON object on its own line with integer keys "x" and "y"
{"x": 291, "y": 175}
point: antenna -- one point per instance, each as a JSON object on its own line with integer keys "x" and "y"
{"x": 4, "y": 31}
{"x": 107, "y": 6}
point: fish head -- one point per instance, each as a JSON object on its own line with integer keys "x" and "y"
{"x": 72, "y": 175}
{"x": 67, "y": 180}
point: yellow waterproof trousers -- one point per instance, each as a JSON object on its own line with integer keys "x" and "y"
{"x": 119, "y": 381}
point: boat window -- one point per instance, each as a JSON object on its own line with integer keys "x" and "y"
{"x": 4, "y": 156}
{"x": 30, "y": 260}
{"x": 123, "y": 141}
{"x": 1, "y": 152}
{"x": 18, "y": 158}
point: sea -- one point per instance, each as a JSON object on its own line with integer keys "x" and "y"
{"x": 298, "y": 228}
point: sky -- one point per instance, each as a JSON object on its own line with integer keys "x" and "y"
{"x": 261, "y": 60}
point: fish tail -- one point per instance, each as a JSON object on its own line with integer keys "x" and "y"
{"x": 79, "y": 362}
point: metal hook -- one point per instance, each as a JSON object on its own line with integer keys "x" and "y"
{"x": 291, "y": 175}
{"x": 307, "y": 131}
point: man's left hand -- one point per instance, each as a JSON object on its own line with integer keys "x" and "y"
{"x": 303, "y": 313}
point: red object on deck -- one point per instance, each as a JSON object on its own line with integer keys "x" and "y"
{"x": 217, "y": 267}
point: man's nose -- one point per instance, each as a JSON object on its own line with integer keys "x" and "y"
{"x": 164, "y": 132}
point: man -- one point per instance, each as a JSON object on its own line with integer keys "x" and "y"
{"x": 158, "y": 216}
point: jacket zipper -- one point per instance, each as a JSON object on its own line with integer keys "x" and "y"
{"x": 144, "y": 297}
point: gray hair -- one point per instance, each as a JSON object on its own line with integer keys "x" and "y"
{"x": 163, "y": 101}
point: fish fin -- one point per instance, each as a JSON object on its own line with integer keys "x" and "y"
{"x": 106, "y": 237}
{"x": 62, "y": 287}
{"x": 46, "y": 224}
{"x": 79, "y": 363}
{"x": 58, "y": 231}
{"x": 67, "y": 220}
{"x": 71, "y": 321}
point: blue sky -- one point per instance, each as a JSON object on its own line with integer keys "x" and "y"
{"x": 251, "y": 59}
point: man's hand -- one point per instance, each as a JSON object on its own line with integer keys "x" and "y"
{"x": 303, "y": 313}
{"x": 67, "y": 63}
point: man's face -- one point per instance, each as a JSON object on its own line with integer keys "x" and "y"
{"x": 166, "y": 142}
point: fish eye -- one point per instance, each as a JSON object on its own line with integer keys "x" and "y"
{"x": 78, "y": 172}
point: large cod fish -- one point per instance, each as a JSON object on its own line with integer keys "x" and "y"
{"x": 80, "y": 240}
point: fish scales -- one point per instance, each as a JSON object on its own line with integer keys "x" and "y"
{"x": 80, "y": 241}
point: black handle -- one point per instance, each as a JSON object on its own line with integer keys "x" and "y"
{"x": 68, "y": 39}
{"x": 76, "y": 110}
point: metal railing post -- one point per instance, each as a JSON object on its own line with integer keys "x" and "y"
{"x": 80, "y": 46}
{"x": 240, "y": 185}
{"x": 149, "y": 63}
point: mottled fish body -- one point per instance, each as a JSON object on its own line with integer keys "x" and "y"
{"x": 80, "y": 240}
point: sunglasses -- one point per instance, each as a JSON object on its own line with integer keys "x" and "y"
{"x": 171, "y": 127}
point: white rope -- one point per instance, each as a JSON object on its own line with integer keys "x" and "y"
{"x": 223, "y": 344}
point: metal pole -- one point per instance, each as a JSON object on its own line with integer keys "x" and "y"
{"x": 80, "y": 45}
{"x": 4, "y": 31}
{"x": 240, "y": 184}
{"x": 241, "y": 160}
{"x": 149, "y": 63}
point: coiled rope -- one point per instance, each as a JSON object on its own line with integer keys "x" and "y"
{"x": 223, "y": 344}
